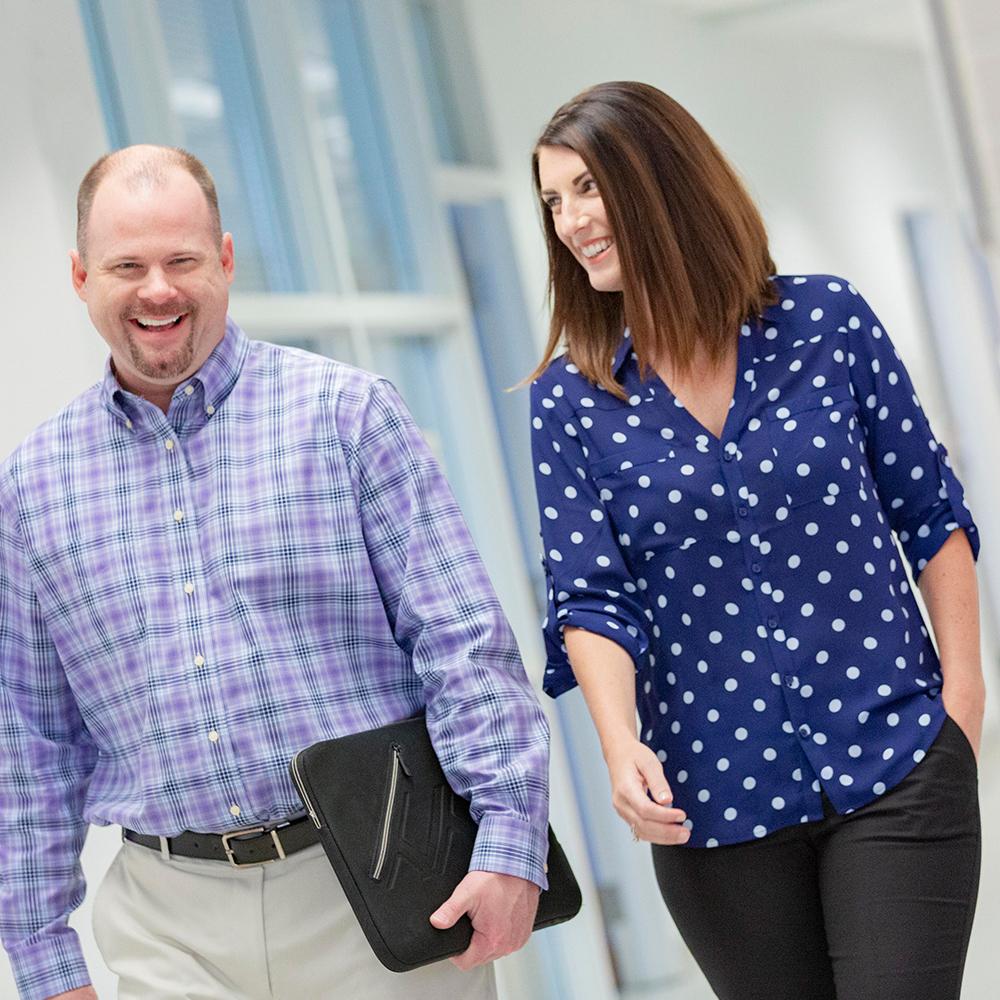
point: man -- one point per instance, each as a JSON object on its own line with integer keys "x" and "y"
{"x": 224, "y": 552}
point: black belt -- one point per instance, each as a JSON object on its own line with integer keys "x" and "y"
{"x": 255, "y": 845}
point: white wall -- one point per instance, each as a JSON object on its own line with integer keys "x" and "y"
{"x": 52, "y": 132}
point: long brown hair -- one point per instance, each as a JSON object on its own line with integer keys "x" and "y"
{"x": 691, "y": 244}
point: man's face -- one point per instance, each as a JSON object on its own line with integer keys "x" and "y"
{"x": 155, "y": 280}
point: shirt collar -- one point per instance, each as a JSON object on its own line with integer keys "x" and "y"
{"x": 623, "y": 352}
{"x": 768, "y": 317}
{"x": 215, "y": 378}
{"x": 221, "y": 369}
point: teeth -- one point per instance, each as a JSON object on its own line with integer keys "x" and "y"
{"x": 593, "y": 249}
{"x": 157, "y": 322}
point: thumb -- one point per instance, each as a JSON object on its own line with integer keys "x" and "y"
{"x": 652, "y": 774}
{"x": 448, "y": 913}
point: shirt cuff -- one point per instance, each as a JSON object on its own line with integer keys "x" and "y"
{"x": 921, "y": 541}
{"x": 48, "y": 964}
{"x": 510, "y": 845}
{"x": 559, "y": 676}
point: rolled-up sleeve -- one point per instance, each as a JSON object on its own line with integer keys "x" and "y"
{"x": 589, "y": 583}
{"x": 922, "y": 497}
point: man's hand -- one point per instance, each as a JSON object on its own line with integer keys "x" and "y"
{"x": 81, "y": 993}
{"x": 502, "y": 910}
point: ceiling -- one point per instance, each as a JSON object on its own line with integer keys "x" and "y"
{"x": 898, "y": 24}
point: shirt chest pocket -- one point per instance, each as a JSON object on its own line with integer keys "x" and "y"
{"x": 663, "y": 503}
{"x": 817, "y": 444}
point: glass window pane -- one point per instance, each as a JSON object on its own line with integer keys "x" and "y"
{"x": 180, "y": 72}
{"x": 334, "y": 344}
{"x": 450, "y": 83}
{"x": 503, "y": 330}
{"x": 337, "y": 70}
{"x": 412, "y": 363}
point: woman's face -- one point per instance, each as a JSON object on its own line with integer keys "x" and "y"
{"x": 570, "y": 193}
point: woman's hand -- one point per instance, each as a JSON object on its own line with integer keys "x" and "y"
{"x": 635, "y": 771}
{"x": 965, "y": 703}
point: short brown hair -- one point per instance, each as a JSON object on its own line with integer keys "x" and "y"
{"x": 143, "y": 165}
{"x": 692, "y": 246}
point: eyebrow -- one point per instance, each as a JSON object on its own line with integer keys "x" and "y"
{"x": 576, "y": 180}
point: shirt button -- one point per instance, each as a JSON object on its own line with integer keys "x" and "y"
{"x": 234, "y": 810}
{"x": 790, "y": 680}
{"x": 772, "y": 622}
{"x": 756, "y": 567}
{"x": 169, "y": 444}
{"x": 804, "y": 731}
{"x": 128, "y": 424}
{"x": 188, "y": 588}
{"x": 189, "y": 390}
{"x": 210, "y": 410}
{"x": 213, "y": 736}
{"x": 728, "y": 456}
{"x": 199, "y": 660}
{"x": 178, "y": 516}
{"x": 743, "y": 511}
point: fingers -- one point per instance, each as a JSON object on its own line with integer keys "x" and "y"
{"x": 662, "y": 833}
{"x": 651, "y": 771}
{"x": 449, "y": 912}
{"x": 480, "y": 951}
{"x": 651, "y": 816}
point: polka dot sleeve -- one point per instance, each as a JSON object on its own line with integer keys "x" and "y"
{"x": 919, "y": 491}
{"x": 589, "y": 585}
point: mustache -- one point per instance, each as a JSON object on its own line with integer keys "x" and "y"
{"x": 159, "y": 312}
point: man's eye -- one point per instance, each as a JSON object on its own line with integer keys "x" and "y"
{"x": 183, "y": 260}
{"x": 127, "y": 265}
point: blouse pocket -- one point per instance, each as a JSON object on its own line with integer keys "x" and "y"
{"x": 659, "y": 504}
{"x": 817, "y": 444}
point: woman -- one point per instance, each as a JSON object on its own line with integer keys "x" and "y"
{"x": 721, "y": 458}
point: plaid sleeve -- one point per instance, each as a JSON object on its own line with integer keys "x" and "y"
{"x": 45, "y": 762}
{"x": 484, "y": 719}
{"x": 922, "y": 497}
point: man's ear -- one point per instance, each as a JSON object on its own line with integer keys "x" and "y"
{"x": 227, "y": 257}
{"x": 79, "y": 274}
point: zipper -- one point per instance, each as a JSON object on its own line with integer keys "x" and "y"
{"x": 303, "y": 792}
{"x": 396, "y": 765}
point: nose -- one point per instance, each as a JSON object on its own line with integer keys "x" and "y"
{"x": 573, "y": 218}
{"x": 156, "y": 287}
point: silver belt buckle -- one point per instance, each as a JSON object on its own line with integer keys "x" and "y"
{"x": 247, "y": 832}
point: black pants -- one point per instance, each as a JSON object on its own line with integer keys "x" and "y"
{"x": 876, "y": 905}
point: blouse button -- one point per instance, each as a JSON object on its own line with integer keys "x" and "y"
{"x": 743, "y": 511}
{"x": 772, "y": 622}
{"x": 756, "y": 567}
{"x": 728, "y": 456}
{"x": 790, "y": 680}
{"x": 804, "y": 731}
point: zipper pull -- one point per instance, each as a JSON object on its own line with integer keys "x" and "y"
{"x": 397, "y": 750}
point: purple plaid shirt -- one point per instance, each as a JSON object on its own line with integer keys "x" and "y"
{"x": 188, "y": 599}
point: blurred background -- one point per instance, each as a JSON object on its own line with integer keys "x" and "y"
{"x": 372, "y": 160}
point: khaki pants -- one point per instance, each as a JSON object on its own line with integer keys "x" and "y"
{"x": 203, "y": 930}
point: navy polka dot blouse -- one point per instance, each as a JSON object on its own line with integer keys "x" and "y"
{"x": 755, "y": 579}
